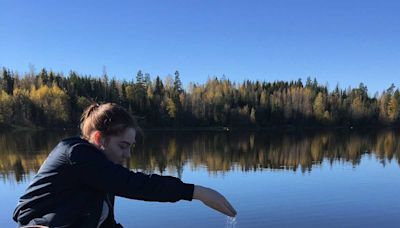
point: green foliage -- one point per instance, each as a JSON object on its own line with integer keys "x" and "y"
{"x": 7, "y": 81}
{"x": 49, "y": 99}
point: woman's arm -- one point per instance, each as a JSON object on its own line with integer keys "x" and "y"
{"x": 94, "y": 170}
{"x": 213, "y": 199}
{"x": 91, "y": 168}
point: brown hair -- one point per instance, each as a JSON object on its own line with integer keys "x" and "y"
{"x": 108, "y": 118}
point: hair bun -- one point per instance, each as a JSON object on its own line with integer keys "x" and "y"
{"x": 91, "y": 108}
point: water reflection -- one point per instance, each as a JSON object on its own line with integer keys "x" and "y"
{"x": 23, "y": 152}
{"x": 255, "y": 150}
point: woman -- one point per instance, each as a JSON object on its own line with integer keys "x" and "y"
{"x": 76, "y": 185}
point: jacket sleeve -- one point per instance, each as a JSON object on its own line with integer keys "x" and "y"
{"x": 92, "y": 168}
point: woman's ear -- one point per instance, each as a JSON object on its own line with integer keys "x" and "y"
{"x": 98, "y": 139}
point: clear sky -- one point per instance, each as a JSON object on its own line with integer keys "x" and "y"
{"x": 340, "y": 41}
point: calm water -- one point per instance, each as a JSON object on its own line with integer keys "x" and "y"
{"x": 308, "y": 179}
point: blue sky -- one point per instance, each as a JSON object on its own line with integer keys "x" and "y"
{"x": 341, "y": 41}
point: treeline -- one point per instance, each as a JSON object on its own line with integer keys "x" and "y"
{"x": 50, "y": 99}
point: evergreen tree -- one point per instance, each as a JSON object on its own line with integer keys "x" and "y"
{"x": 177, "y": 83}
{"x": 43, "y": 77}
{"x": 7, "y": 82}
{"x": 139, "y": 78}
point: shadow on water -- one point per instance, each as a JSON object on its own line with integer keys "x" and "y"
{"x": 22, "y": 153}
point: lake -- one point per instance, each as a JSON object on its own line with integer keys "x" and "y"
{"x": 337, "y": 178}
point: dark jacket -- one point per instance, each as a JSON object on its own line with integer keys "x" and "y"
{"x": 71, "y": 185}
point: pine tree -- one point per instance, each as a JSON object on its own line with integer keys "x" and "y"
{"x": 7, "y": 82}
{"x": 139, "y": 78}
{"x": 177, "y": 83}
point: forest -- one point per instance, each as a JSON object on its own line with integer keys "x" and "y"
{"x": 50, "y": 99}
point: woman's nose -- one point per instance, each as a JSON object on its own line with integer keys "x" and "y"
{"x": 127, "y": 154}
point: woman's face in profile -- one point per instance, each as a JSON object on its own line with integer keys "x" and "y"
{"x": 118, "y": 148}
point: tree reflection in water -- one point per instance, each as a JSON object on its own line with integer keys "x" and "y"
{"x": 22, "y": 153}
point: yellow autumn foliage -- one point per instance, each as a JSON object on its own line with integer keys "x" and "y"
{"x": 52, "y": 100}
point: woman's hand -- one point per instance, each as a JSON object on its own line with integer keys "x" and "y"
{"x": 214, "y": 200}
